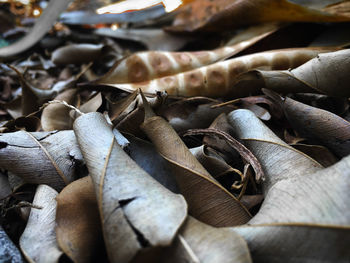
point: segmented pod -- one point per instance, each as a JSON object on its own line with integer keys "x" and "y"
{"x": 147, "y": 65}
{"x": 219, "y": 79}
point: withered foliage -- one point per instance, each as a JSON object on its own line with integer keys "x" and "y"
{"x": 218, "y": 132}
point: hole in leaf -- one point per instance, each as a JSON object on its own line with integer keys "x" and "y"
{"x": 3, "y": 145}
{"x": 126, "y": 201}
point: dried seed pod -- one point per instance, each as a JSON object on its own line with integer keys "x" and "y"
{"x": 220, "y": 79}
{"x": 148, "y": 65}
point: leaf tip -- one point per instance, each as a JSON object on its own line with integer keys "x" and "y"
{"x": 149, "y": 113}
{"x": 273, "y": 95}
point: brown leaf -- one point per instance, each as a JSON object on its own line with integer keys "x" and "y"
{"x": 205, "y": 196}
{"x": 133, "y": 216}
{"x": 213, "y": 162}
{"x": 327, "y": 74}
{"x": 92, "y": 104}
{"x": 224, "y": 14}
{"x": 31, "y": 96}
{"x": 319, "y": 153}
{"x": 318, "y": 125}
{"x": 29, "y": 100}
{"x": 339, "y": 8}
{"x": 131, "y": 119}
{"x": 118, "y": 108}
{"x": 260, "y": 112}
{"x": 56, "y": 116}
{"x": 78, "y": 230}
{"x": 249, "y": 201}
{"x": 243, "y": 151}
{"x": 221, "y": 123}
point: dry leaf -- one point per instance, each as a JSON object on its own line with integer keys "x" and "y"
{"x": 29, "y": 123}
{"x": 8, "y": 251}
{"x": 31, "y": 95}
{"x": 76, "y": 54}
{"x": 56, "y": 116}
{"x": 250, "y": 201}
{"x": 5, "y": 188}
{"x": 92, "y": 104}
{"x": 57, "y": 152}
{"x": 38, "y": 241}
{"x": 153, "y": 39}
{"x": 204, "y": 195}
{"x": 213, "y": 162}
{"x": 116, "y": 109}
{"x": 15, "y": 181}
{"x": 29, "y": 100}
{"x": 14, "y": 108}
{"x": 337, "y": 105}
{"x": 131, "y": 119}
{"x": 317, "y": 125}
{"x": 192, "y": 113}
{"x": 260, "y": 112}
{"x": 319, "y": 153}
{"x": 296, "y": 194}
{"x": 278, "y": 159}
{"x": 147, "y": 157}
{"x": 228, "y": 153}
{"x": 198, "y": 242}
{"x": 88, "y": 16}
{"x": 78, "y": 230}
{"x": 302, "y": 243}
{"x": 223, "y": 14}
{"x": 41, "y": 27}
{"x": 304, "y": 198}
{"x": 243, "y": 151}
{"x": 133, "y": 214}
{"x": 327, "y": 74}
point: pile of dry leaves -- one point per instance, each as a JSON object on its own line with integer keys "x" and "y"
{"x": 215, "y": 133}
